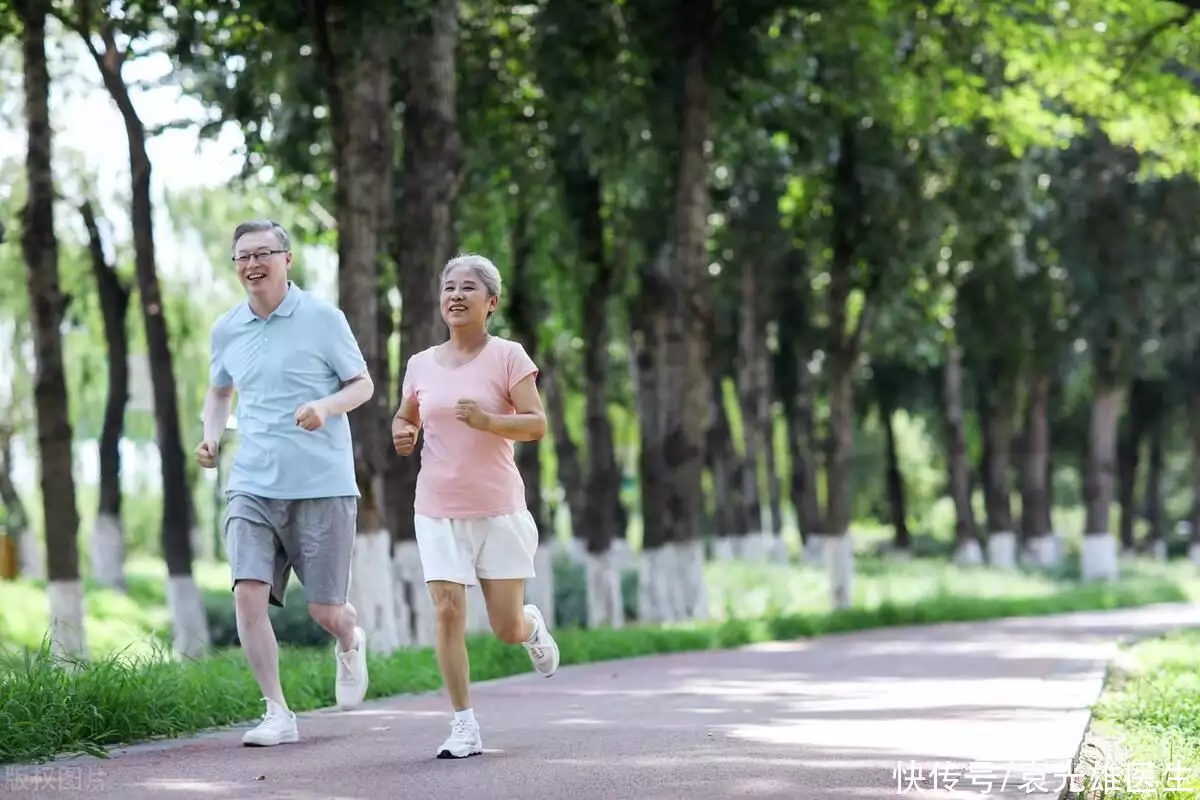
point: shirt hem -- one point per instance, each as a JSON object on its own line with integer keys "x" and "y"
{"x": 272, "y": 494}
{"x": 450, "y": 513}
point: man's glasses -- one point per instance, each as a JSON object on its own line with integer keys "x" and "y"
{"x": 262, "y": 255}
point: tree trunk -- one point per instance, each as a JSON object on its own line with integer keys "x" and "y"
{"x": 729, "y": 470}
{"x": 54, "y": 432}
{"x": 1035, "y": 472}
{"x": 794, "y": 390}
{"x": 524, "y": 311}
{"x": 566, "y": 451}
{"x": 16, "y": 521}
{"x": 607, "y": 521}
{"x": 1155, "y": 542}
{"x": 894, "y": 479}
{"x": 1193, "y": 411}
{"x": 1129, "y": 446}
{"x": 1099, "y": 555}
{"x": 996, "y": 410}
{"x": 190, "y": 622}
{"x": 674, "y": 570}
{"x": 431, "y": 176}
{"x": 754, "y": 394}
{"x": 108, "y": 545}
{"x": 966, "y": 538}
{"x": 356, "y": 57}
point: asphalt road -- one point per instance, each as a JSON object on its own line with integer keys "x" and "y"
{"x": 865, "y": 715}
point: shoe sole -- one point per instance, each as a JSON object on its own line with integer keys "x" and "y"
{"x": 446, "y": 754}
{"x": 289, "y": 739}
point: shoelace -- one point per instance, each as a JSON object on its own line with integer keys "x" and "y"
{"x": 344, "y": 671}
{"x": 460, "y": 729}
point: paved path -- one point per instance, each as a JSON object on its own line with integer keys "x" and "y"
{"x": 850, "y": 716}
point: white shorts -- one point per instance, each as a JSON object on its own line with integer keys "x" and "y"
{"x": 491, "y": 548}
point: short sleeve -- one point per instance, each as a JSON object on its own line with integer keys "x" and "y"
{"x": 520, "y": 365}
{"x": 218, "y": 376}
{"x": 412, "y": 371}
{"x": 342, "y": 350}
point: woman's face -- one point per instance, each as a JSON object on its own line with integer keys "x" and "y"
{"x": 465, "y": 299}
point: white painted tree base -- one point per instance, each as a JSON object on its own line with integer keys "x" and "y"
{"x": 108, "y": 552}
{"x": 189, "y": 623}
{"x": 623, "y": 556}
{"x": 1194, "y": 552}
{"x": 671, "y": 583}
{"x": 605, "y": 607}
{"x": 839, "y": 566}
{"x": 539, "y": 589}
{"x": 67, "y": 636}
{"x": 1043, "y": 551}
{"x": 33, "y": 566}
{"x": 418, "y": 605}
{"x": 572, "y": 549}
{"x": 757, "y": 547}
{"x": 689, "y": 559}
{"x": 726, "y": 548}
{"x": 779, "y": 551}
{"x": 1002, "y": 549}
{"x": 372, "y": 591}
{"x": 1158, "y": 550}
{"x": 969, "y": 554}
{"x": 1098, "y": 557}
{"x": 814, "y": 549}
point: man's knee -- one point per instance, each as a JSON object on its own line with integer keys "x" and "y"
{"x": 329, "y": 617}
{"x": 251, "y": 598}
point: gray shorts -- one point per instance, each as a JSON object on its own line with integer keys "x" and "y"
{"x": 266, "y": 539}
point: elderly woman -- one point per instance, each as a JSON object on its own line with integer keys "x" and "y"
{"x": 473, "y": 396}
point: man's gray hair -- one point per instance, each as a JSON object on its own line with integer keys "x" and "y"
{"x": 258, "y": 225}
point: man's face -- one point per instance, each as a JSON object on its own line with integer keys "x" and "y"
{"x": 261, "y": 266}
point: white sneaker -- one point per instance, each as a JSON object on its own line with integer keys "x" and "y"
{"x": 464, "y": 741}
{"x": 350, "y": 687}
{"x": 277, "y": 727}
{"x": 543, "y": 650}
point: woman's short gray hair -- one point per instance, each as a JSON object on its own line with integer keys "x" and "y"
{"x": 485, "y": 270}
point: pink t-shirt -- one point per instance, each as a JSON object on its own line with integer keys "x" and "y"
{"x": 466, "y": 472}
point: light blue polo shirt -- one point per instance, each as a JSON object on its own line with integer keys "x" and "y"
{"x": 302, "y": 352}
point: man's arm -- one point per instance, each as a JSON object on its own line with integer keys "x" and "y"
{"x": 217, "y": 403}
{"x": 528, "y": 424}
{"x": 219, "y": 398}
{"x": 347, "y": 361}
{"x": 353, "y": 394}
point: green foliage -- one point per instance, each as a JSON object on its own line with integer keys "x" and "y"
{"x": 1150, "y": 711}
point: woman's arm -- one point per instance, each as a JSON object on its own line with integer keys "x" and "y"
{"x": 408, "y": 412}
{"x": 529, "y": 423}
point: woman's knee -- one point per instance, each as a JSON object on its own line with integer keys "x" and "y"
{"x": 449, "y": 603}
{"x": 509, "y": 628}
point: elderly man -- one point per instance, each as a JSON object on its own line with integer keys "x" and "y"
{"x": 292, "y": 495}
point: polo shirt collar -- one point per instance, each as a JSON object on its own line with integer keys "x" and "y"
{"x": 285, "y": 309}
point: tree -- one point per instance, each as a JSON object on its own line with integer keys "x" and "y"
{"x": 46, "y": 306}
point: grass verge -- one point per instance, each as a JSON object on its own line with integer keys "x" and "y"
{"x": 50, "y": 708}
{"x": 1146, "y": 725}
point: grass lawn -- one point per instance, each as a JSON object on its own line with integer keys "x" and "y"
{"x": 119, "y": 697}
{"x": 1148, "y": 722}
